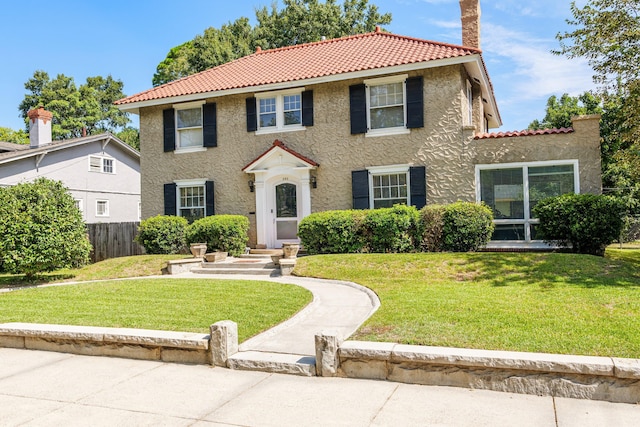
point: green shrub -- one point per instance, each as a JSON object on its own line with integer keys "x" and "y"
{"x": 432, "y": 220}
{"x": 41, "y": 229}
{"x": 162, "y": 234}
{"x": 227, "y": 233}
{"x": 466, "y": 226}
{"x": 393, "y": 229}
{"x": 332, "y": 232}
{"x": 585, "y": 223}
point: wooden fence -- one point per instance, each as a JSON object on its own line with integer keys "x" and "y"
{"x": 112, "y": 240}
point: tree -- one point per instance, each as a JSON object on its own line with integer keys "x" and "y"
{"x": 89, "y": 106}
{"x": 41, "y": 228}
{"x": 130, "y": 136}
{"x": 559, "y": 112}
{"x": 300, "y": 21}
{"x": 15, "y": 136}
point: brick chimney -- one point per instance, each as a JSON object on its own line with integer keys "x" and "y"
{"x": 39, "y": 127}
{"x": 470, "y": 15}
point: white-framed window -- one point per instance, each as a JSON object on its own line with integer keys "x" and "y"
{"x": 139, "y": 211}
{"x": 279, "y": 111}
{"x": 188, "y": 126}
{"x": 102, "y": 164}
{"x": 386, "y": 105}
{"x": 388, "y": 186}
{"x": 79, "y": 204}
{"x": 512, "y": 190}
{"x": 191, "y": 199}
{"x": 102, "y": 208}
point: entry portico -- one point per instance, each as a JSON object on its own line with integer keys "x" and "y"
{"x": 283, "y": 193}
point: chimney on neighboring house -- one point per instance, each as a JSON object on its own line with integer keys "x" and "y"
{"x": 39, "y": 127}
{"x": 470, "y": 15}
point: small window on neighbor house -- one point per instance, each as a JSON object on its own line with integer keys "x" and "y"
{"x": 102, "y": 208}
{"x": 78, "y": 203}
{"x": 102, "y": 164}
{"x": 189, "y": 127}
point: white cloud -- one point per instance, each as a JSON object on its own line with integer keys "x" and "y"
{"x": 537, "y": 72}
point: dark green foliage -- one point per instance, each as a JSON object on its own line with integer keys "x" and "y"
{"x": 585, "y": 223}
{"x": 163, "y": 234}
{"x": 332, "y": 232}
{"x": 227, "y": 233}
{"x": 393, "y": 229}
{"x": 432, "y": 220}
{"x": 41, "y": 229}
{"x": 466, "y": 226}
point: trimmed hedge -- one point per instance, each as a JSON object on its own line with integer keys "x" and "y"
{"x": 227, "y": 233}
{"x": 163, "y": 234}
{"x": 432, "y": 219}
{"x": 332, "y": 232}
{"x": 585, "y": 223}
{"x": 393, "y": 229}
{"x": 466, "y": 226}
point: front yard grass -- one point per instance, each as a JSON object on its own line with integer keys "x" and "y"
{"x": 162, "y": 304}
{"x": 537, "y": 302}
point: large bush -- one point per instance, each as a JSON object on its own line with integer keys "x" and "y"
{"x": 41, "y": 229}
{"x": 227, "y": 233}
{"x": 393, "y": 229}
{"x": 332, "y": 232}
{"x": 457, "y": 227}
{"x": 163, "y": 234}
{"x": 432, "y": 220}
{"x": 585, "y": 223}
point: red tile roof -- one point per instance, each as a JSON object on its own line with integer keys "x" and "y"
{"x": 523, "y": 133}
{"x": 312, "y": 60}
{"x": 279, "y": 144}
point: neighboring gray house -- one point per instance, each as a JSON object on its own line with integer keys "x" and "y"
{"x": 101, "y": 172}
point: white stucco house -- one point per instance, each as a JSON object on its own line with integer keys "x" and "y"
{"x": 101, "y": 172}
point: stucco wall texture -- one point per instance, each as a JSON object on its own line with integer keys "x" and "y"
{"x": 445, "y": 146}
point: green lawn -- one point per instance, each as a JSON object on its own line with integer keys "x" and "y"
{"x": 163, "y": 304}
{"x": 540, "y": 302}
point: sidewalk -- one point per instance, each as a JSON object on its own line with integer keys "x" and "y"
{"x": 53, "y": 389}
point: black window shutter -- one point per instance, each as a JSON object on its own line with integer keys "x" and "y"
{"x": 358, "y": 108}
{"x": 415, "y": 103}
{"x": 209, "y": 199}
{"x": 360, "y": 189}
{"x": 252, "y": 117}
{"x": 170, "y": 199}
{"x": 307, "y": 108}
{"x": 169, "y": 123}
{"x": 418, "y": 184}
{"x": 209, "y": 125}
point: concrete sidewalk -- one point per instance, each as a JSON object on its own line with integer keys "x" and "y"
{"x": 53, "y": 389}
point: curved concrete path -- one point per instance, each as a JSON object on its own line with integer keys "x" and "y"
{"x": 337, "y": 306}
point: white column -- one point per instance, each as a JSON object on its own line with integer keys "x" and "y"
{"x": 261, "y": 210}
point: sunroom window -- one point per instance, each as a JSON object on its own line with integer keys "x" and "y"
{"x": 513, "y": 190}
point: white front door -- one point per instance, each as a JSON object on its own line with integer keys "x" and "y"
{"x": 285, "y": 211}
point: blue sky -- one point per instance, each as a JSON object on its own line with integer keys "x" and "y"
{"x": 127, "y": 39}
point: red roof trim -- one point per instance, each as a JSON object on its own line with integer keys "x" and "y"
{"x": 279, "y": 144}
{"x": 523, "y": 133}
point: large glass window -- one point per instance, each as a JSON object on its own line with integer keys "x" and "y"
{"x": 386, "y": 105}
{"x": 512, "y": 192}
{"x": 189, "y": 126}
{"x": 191, "y": 201}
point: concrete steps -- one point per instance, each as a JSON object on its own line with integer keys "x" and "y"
{"x": 280, "y": 363}
{"x": 250, "y": 264}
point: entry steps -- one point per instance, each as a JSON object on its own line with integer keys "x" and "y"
{"x": 257, "y": 262}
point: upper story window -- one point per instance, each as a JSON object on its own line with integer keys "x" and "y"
{"x": 102, "y": 164}
{"x": 387, "y": 106}
{"x": 279, "y": 111}
{"x": 189, "y": 127}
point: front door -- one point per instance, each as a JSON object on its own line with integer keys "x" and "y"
{"x": 286, "y": 213}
